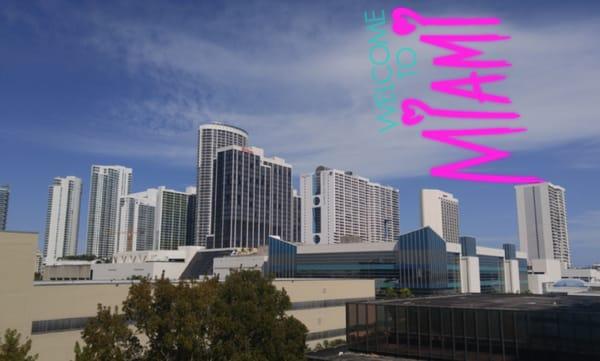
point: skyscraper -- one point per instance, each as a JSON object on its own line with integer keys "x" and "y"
{"x": 439, "y": 210}
{"x": 108, "y": 184}
{"x": 252, "y": 198}
{"x": 158, "y": 218}
{"x": 339, "y": 206}
{"x": 136, "y": 221}
{"x": 542, "y": 218}
{"x": 62, "y": 218}
{"x": 296, "y": 217}
{"x": 4, "y": 196}
{"x": 210, "y": 138}
{"x": 172, "y": 212}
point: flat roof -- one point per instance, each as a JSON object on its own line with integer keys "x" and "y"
{"x": 502, "y": 302}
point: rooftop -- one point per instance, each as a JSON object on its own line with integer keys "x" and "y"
{"x": 502, "y": 302}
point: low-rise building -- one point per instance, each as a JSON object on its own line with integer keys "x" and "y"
{"x": 53, "y": 314}
{"x": 419, "y": 260}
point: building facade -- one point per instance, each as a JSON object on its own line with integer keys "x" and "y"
{"x": 439, "y": 210}
{"x": 420, "y": 260}
{"x": 62, "y": 218}
{"x": 542, "y": 219}
{"x": 340, "y": 207}
{"x": 477, "y": 327}
{"x": 137, "y": 213}
{"x": 172, "y": 218}
{"x": 53, "y": 314}
{"x": 210, "y": 138}
{"x": 108, "y": 185}
{"x": 252, "y": 198}
{"x": 296, "y": 215}
{"x": 4, "y": 197}
{"x": 156, "y": 219}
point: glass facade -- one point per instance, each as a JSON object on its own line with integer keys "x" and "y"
{"x": 523, "y": 275}
{"x": 408, "y": 329}
{"x": 422, "y": 260}
{"x": 282, "y": 258}
{"x": 454, "y": 271}
{"x": 491, "y": 274}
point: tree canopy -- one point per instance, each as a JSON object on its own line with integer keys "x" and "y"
{"x": 241, "y": 319}
{"x": 11, "y": 348}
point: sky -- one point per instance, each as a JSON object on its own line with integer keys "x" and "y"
{"x": 128, "y": 83}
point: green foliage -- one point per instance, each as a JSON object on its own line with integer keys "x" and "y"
{"x": 391, "y": 293}
{"x": 12, "y": 350}
{"x": 107, "y": 337}
{"x": 404, "y": 293}
{"x": 241, "y": 319}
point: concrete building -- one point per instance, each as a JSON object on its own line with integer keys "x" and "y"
{"x": 420, "y": 260}
{"x": 186, "y": 262}
{"x": 252, "y": 198}
{"x": 210, "y": 138}
{"x": 62, "y": 218}
{"x": 137, "y": 218}
{"x": 173, "y": 213}
{"x": 339, "y": 207}
{"x": 45, "y": 311}
{"x": 68, "y": 270}
{"x": 542, "y": 218}
{"x": 4, "y": 197}
{"x": 108, "y": 185}
{"x": 158, "y": 218}
{"x": 439, "y": 210}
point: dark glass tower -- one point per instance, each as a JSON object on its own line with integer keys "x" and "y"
{"x": 252, "y": 198}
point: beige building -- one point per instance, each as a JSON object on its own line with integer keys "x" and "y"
{"x": 53, "y": 314}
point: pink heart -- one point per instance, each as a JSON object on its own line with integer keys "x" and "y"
{"x": 400, "y": 24}
{"x": 409, "y": 114}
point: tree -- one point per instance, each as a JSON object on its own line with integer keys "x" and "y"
{"x": 404, "y": 293}
{"x": 174, "y": 318}
{"x": 241, "y": 319}
{"x": 107, "y": 337}
{"x": 250, "y": 319}
{"x": 12, "y": 350}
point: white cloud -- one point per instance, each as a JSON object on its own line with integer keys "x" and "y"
{"x": 305, "y": 95}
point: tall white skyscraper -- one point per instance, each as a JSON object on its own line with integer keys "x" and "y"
{"x": 157, "y": 218}
{"x": 210, "y": 138}
{"x": 136, "y": 221}
{"x": 108, "y": 184}
{"x": 542, "y": 217}
{"x": 439, "y": 210}
{"x": 338, "y": 207}
{"x": 62, "y": 218}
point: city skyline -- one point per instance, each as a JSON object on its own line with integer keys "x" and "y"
{"x": 141, "y": 87}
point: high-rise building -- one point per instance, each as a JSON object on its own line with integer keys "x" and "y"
{"x": 439, "y": 210}
{"x": 156, "y": 219}
{"x": 4, "y": 196}
{"x": 136, "y": 221}
{"x": 108, "y": 184}
{"x": 210, "y": 138}
{"x": 172, "y": 215}
{"x": 340, "y": 207}
{"x": 62, "y": 218}
{"x": 296, "y": 217}
{"x": 542, "y": 218}
{"x": 252, "y": 198}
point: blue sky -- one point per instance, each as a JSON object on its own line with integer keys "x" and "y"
{"x": 111, "y": 83}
